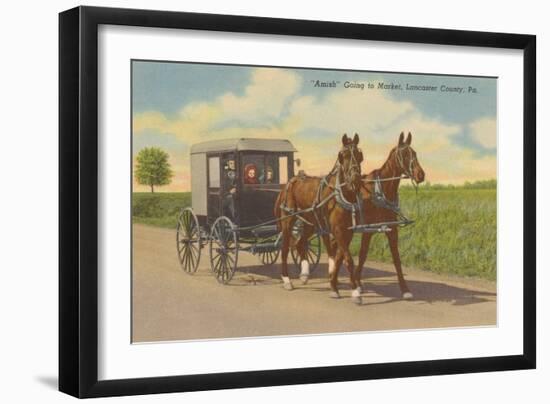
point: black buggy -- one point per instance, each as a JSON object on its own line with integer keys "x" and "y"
{"x": 234, "y": 186}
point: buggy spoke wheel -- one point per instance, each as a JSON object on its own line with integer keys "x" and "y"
{"x": 224, "y": 249}
{"x": 268, "y": 257}
{"x": 188, "y": 240}
{"x": 216, "y": 263}
{"x": 313, "y": 247}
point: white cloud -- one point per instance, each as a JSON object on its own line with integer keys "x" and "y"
{"x": 350, "y": 111}
{"x": 230, "y": 115}
{"x": 264, "y": 98}
{"x": 379, "y": 120}
{"x": 484, "y": 131}
{"x": 273, "y": 106}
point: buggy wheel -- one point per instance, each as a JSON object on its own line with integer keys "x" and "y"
{"x": 224, "y": 250}
{"x": 268, "y": 257}
{"x": 189, "y": 242}
{"x": 313, "y": 246}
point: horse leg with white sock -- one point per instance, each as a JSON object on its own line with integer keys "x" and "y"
{"x": 333, "y": 265}
{"x": 304, "y": 271}
{"x": 393, "y": 242}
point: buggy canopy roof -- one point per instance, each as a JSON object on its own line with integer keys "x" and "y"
{"x": 243, "y": 144}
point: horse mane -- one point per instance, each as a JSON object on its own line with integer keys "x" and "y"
{"x": 303, "y": 176}
{"x": 378, "y": 170}
{"x": 370, "y": 174}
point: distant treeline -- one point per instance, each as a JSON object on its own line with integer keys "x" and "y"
{"x": 482, "y": 184}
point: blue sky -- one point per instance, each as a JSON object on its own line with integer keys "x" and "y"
{"x": 177, "y": 104}
{"x": 167, "y": 87}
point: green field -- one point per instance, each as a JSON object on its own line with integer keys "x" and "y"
{"x": 455, "y": 229}
{"x": 455, "y": 232}
{"x": 159, "y": 209}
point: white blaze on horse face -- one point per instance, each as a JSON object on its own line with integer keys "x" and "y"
{"x": 331, "y": 265}
{"x": 305, "y": 267}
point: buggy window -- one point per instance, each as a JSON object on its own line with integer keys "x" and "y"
{"x": 214, "y": 172}
{"x": 229, "y": 173}
{"x": 264, "y": 169}
{"x": 271, "y": 171}
{"x": 283, "y": 170}
{"x": 253, "y": 167}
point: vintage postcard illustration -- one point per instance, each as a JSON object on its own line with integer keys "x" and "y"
{"x": 273, "y": 201}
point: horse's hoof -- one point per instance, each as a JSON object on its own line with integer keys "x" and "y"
{"x": 334, "y": 295}
{"x": 407, "y": 296}
{"x": 288, "y": 286}
{"x": 360, "y": 289}
{"x": 356, "y": 296}
{"x": 304, "y": 273}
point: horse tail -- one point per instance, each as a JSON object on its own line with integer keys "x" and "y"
{"x": 277, "y": 208}
{"x": 281, "y": 202}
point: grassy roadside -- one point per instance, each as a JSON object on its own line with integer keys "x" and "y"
{"x": 455, "y": 232}
{"x": 159, "y": 209}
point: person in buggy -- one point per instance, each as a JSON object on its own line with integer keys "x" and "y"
{"x": 250, "y": 174}
{"x": 230, "y": 185}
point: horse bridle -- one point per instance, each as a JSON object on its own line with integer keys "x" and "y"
{"x": 379, "y": 198}
{"x": 354, "y": 165}
{"x": 408, "y": 171}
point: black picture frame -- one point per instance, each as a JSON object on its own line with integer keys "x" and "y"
{"x": 78, "y": 201}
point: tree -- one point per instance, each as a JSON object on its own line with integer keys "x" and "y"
{"x": 153, "y": 167}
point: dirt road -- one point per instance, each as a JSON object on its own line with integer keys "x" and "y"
{"x": 169, "y": 304}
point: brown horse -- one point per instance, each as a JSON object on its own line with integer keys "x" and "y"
{"x": 321, "y": 203}
{"x": 380, "y": 194}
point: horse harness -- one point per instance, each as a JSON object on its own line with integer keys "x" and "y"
{"x": 321, "y": 221}
{"x": 379, "y": 199}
